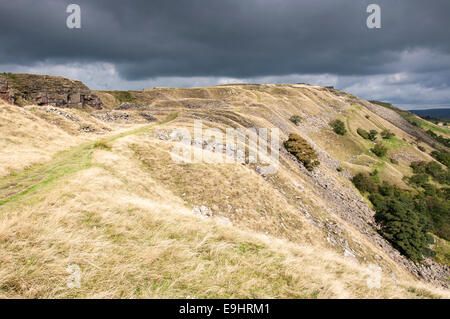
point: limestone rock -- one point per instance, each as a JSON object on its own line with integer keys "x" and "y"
{"x": 47, "y": 90}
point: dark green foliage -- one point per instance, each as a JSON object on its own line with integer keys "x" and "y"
{"x": 386, "y": 134}
{"x": 363, "y": 133}
{"x": 379, "y": 150}
{"x": 338, "y": 127}
{"x": 402, "y": 227}
{"x": 393, "y": 161}
{"x": 406, "y": 217}
{"x": 442, "y": 157}
{"x": 364, "y": 183}
{"x": 296, "y": 119}
{"x": 339, "y": 169}
{"x": 373, "y": 135}
{"x": 436, "y": 209}
{"x": 386, "y": 189}
{"x": 439, "y": 138}
{"x": 418, "y": 179}
{"x": 418, "y": 167}
{"x": 421, "y": 148}
{"x": 433, "y": 169}
{"x": 300, "y": 148}
{"x": 375, "y": 177}
{"x": 367, "y": 116}
{"x": 432, "y": 202}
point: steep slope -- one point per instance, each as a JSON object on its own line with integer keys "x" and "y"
{"x": 142, "y": 225}
{"x": 408, "y": 122}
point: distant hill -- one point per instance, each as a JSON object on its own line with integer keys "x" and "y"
{"x": 436, "y": 113}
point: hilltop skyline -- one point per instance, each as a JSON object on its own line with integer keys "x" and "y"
{"x": 199, "y": 43}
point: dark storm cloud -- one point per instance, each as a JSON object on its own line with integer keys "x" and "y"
{"x": 224, "y": 38}
{"x": 134, "y": 44}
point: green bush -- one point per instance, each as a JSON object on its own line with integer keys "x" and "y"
{"x": 364, "y": 183}
{"x": 433, "y": 169}
{"x": 379, "y": 150}
{"x": 421, "y": 148}
{"x": 419, "y": 167}
{"x": 296, "y": 119}
{"x": 363, "y": 133}
{"x": 300, "y": 148}
{"x": 418, "y": 179}
{"x": 386, "y": 134}
{"x": 338, "y": 127}
{"x": 401, "y": 226}
{"x": 393, "y": 161}
{"x": 373, "y": 135}
{"x": 442, "y": 157}
{"x": 406, "y": 217}
{"x": 439, "y": 138}
{"x": 386, "y": 189}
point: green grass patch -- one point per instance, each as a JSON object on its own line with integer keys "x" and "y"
{"x": 19, "y": 184}
{"x": 436, "y": 128}
{"x": 394, "y": 142}
{"x": 122, "y": 96}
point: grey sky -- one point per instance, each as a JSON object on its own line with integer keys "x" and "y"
{"x": 140, "y": 44}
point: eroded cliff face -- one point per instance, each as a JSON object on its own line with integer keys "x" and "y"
{"x": 24, "y": 89}
{"x": 6, "y": 94}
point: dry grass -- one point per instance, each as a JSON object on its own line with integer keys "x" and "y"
{"x": 132, "y": 238}
{"x": 123, "y": 213}
{"x": 26, "y": 139}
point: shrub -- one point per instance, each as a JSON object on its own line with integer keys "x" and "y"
{"x": 296, "y": 119}
{"x": 421, "y": 148}
{"x": 405, "y": 217}
{"x": 338, "y": 127}
{"x": 401, "y": 226}
{"x": 363, "y": 133}
{"x": 386, "y": 134}
{"x": 418, "y": 179}
{"x": 393, "y": 161}
{"x": 367, "y": 116}
{"x": 379, "y": 150}
{"x": 373, "y": 135}
{"x": 386, "y": 189}
{"x": 339, "y": 169}
{"x": 363, "y": 183}
{"x": 418, "y": 167}
{"x": 300, "y": 148}
{"x": 439, "y": 138}
{"x": 442, "y": 157}
{"x": 433, "y": 169}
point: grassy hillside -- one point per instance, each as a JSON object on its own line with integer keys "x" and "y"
{"x": 111, "y": 200}
{"x": 418, "y": 121}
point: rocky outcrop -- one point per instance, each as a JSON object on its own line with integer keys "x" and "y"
{"x": 6, "y": 93}
{"x": 23, "y": 89}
